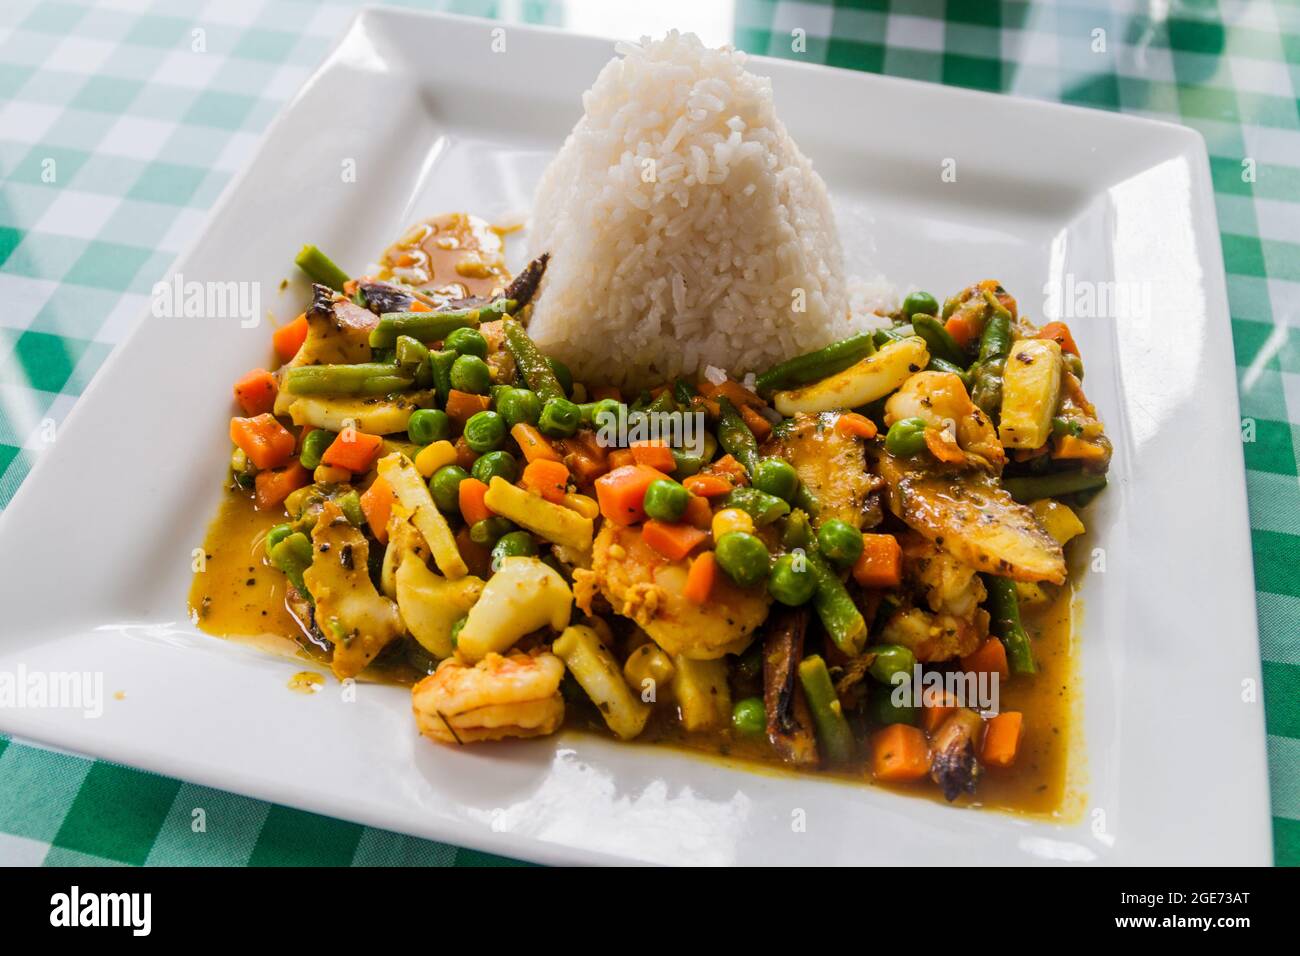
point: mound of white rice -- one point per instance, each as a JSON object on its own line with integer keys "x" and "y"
{"x": 685, "y": 227}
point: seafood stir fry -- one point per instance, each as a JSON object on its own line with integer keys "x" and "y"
{"x": 448, "y": 506}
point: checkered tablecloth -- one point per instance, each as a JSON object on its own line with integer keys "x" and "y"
{"x": 117, "y": 133}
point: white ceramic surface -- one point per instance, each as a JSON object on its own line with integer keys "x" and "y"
{"x": 96, "y": 573}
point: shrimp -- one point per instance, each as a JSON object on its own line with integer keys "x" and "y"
{"x": 954, "y": 766}
{"x": 513, "y": 696}
{"x": 948, "y": 585}
{"x": 642, "y": 584}
{"x": 941, "y": 401}
{"x": 935, "y": 637}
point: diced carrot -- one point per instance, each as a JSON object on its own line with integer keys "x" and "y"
{"x": 1002, "y": 738}
{"x": 1070, "y": 446}
{"x": 943, "y": 449}
{"x": 472, "y": 506}
{"x": 377, "y": 505}
{"x": 698, "y": 513}
{"x": 932, "y": 717}
{"x": 699, "y": 579}
{"x": 759, "y": 425}
{"x": 266, "y": 442}
{"x": 881, "y": 563}
{"x": 989, "y": 658}
{"x": 288, "y": 339}
{"x": 1059, "y": 333}
{"x": 961, "y": 329}
{"x": 548, "y": 478}
{"x": 620, "y": 458}
{"x": 707, "y": 486}
{"x": 729, "y": 468}
{"x": 255, "y": 392}
{"x": 418, "y": 306}
{"x": 899, "y": 752}
{"x": 356, "y": 451}
{"x": 274, "y": 485}
{"x": 855, "y": 425}
{"x": 461, "y": 406}
{"x": 655, "y": 454}
{"x": 350, "y": 287}
{"x": 673, "y": 541}
{"x": 621, "y": 492}
{"x": 739, "y": 396}
{"x": 534, "y": 445}
{"x": 602, "y": 392}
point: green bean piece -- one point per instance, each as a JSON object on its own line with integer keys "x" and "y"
{"x": 884, "y": 336}
{"x": 684, "y": 392}
{"x": 806, "y": 501}
{"x": 833, "y": 731}
{"x": 939, "y": 365}
{"x": 313, "y": 447}
{"x": 276, "y": 535}
{"x": 663, "y": 403}
{"x": 839, "y": 614}
{"x": 797, "y": 531}
{"x": 410, "y": 353}
{"x": 426, "y": 326}
{"x": 532, "y": 364}
{"x": 441, "y": 363}
{"x": 749, "y": 717}
{"x": 1053, "y": 485}
{"x": 938, "y": 341}
{"x": 735, "y": 437}
{"x": 986, "y": 374}
{"x": 759, "y": 505}
{"x": 320, "y": 268}
{"x": 885, "y": 712}
{"x": 350, "y": 504}
{"x": 891, "y": 660}
{"x": 562, "y": 375}
{"x": 1004, "y": 609}
{"x": 813, "y": 366}
{"x": 596, "y": 413}
{"x": 920, "y": 303}
{"x": 365, "y": 378}
{"x": 293, "y": 556}
{"x": 466, "y": 341}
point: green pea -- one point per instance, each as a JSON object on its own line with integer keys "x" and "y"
{"x": 445, "y": 488}
{"x": 313, "y": 447}
{"x": 1074, "y": 364}
{"x": 777, "y": 477}
{"x": 293, "y": 556}
{"x": 350, "y": 505}
{"x": 743, "y": 556}
{"x": 489, "y": 530}
{"x": 485, "y": 431}
{"x": 891, "y": 659}
{"x": 792, "y": 582}
{"x": 469, "y": 373}
{"x": 466, "y": 342}
{"x": 495, "y": 464}
{"x": 920, "y": 303}
{"x": 456, "y": 628}
{"x": 515, "y": 544}
{"x": 560, "y": 418}
{"x": 518, "y": 405}
{"x": 276, "y": 535}
{"x": 906, "y": 437}
{"x": 428, "y": 425}
{"x": 748, "y": 717}
{"x": 562, "y": 374}
{"x": 840, "y": 542}
{"x": 666, "y": 500}
{"x": 886, "y": 712}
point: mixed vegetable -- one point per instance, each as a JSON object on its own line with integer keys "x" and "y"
{"x": 884, "y": 506}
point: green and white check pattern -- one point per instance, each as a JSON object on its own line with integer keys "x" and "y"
{"x": 116, "y": 137}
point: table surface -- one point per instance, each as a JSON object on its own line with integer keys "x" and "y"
{"x": 116, "y": 136}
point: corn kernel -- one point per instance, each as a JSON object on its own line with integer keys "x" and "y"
{"x": 330, "y": 475}
{"x": 432, "y": 457}
{"x": 731, "y": 519}
{"x": 582, "y": 504}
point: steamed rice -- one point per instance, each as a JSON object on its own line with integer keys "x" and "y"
{"x": 685, "y": 227}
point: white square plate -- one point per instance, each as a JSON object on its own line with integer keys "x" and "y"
{"x": 97, "y": 568}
